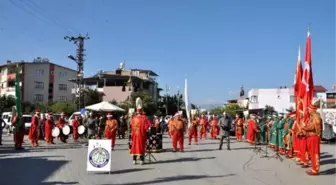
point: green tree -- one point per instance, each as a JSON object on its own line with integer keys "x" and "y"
{"x": 28, "y": 108}
{"x": 67, "y": 108}
{"x": 89, "y": 97}
{"x": 231, "y": 110}
{"x": 114, "y": 102}
{"x": 268, "y": 110}
{"x": 193, "y": 106}
{"x": 217, "y": 110}
{"x": 172, "y": 102}
{"x": 148, "y": 104}
{"x": 6, "y": 103}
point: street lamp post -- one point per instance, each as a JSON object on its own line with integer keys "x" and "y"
{"x": 178, "y": 98}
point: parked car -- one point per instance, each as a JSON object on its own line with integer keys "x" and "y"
{"x": 27, "y": 121}
{"x": 69, "y": 120}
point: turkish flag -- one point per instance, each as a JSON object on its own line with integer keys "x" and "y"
{"x": 297, "y": 86}
{"x": 307, "y": 83}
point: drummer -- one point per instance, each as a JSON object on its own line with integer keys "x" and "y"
{"x": 75, "y": 125}
{"x": 48, "y": 126}
{"x": 60, "y": 125}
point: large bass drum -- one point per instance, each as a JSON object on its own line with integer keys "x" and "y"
{"x": 55, "y": 132}
{"x": 81, "y": 130}
{"x": 66, "y": 130}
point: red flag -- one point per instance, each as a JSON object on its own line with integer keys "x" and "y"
{"x": 307, "y": 86}
{"x": 297, "y": 85}
{"x": 298, "y": 76}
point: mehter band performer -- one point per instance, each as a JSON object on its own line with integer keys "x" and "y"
{"x": 19, "y": 129}
{"x": 252, "y": 129}
{"x": 138, "y": 134}
{"x": 290, "y": 134}
{"x": 111, "y": 128}
{"x": 203, "y": 127}
{"x": 192, "y": 133}
{"x": 75, "y": 124}
{"x": 239, "y": 122}
{"x": 312, "y": 130}
{"x": 178, "y": 130}
{"x": 34, "y": 127}
{"x": 48, "y": 127}
{"x": 214, "y": 127}
{"x": 60, "y": 125}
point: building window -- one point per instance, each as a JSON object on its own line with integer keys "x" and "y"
{"x": 292, "y": 99}
{"x": 331, "y": 95}
{"x": 38, "y": 97}
{"x": 254, "y": 99}
{"x": 62, "y": 74}
{"x": 39, "y": 72}
{"x": 39, "y": 85}
{"x": 62, "y": 87}
{"x": 62, "y": 98}
{"x": 135, "y": 73}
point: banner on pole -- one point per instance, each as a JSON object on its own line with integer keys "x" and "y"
{"x": 99, "y": 155}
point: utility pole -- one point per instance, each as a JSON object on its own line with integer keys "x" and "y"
{"x": 79, "y": 41}
{"x": 167, "y": 90}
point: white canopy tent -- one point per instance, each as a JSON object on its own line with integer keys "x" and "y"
{"x": 104, "y": 107}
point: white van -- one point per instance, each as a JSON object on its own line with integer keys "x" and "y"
{"x": 27, "y": 121}
{"x": 73, "y": 117}
{"x": 5, "y": 116}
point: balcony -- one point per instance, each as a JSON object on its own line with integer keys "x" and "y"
{"x": 11, "y": 76}
{"x": 10, "y": 89}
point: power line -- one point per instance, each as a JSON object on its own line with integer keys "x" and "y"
{"x": 50, "y": 17}
{"x": 28, "y": 9}
{"x": 25, "y": 10}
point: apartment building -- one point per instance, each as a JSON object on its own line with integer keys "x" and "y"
{"x": 280, "y": 98}
{"x": 41, "y": 81}
{"x": 120, "y": 83}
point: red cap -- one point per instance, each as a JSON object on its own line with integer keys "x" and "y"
{"x": 291, "y": 114}
{"x": 139, "y": 111}
{"x": 37, "y": 111}
{"x": 312, "y": 107}
{"x": 109, "y": 115}
{"x": 50, "y": 114}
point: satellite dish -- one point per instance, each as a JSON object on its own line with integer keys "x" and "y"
{"x": 45, "y": 60}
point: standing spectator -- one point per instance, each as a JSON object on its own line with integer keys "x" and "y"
{"x": 2, "y": 126}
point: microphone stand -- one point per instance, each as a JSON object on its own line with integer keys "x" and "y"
{"x": 256, "y": 149}
{"x": 267, "y": 141}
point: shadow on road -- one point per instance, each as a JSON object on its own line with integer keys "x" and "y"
{"x": 123, "y": 171}
{"x": 325, "y": 156}
{"x": 202, "y": 150}
{"x": 173, "y": 178}
{"x": 11, "y": 150}
{"x": 186, "y": 159}
{"x": 328, "y": 161}
{"x": 29, "y": 170}
{"x": 243, "y": 148}
{"x": 59, "y": 183}
{"x": 331, "y": 171}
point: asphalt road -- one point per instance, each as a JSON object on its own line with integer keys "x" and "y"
{"x": 200, "y": 164}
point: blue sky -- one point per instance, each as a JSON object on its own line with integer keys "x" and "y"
{"x": 218, "y": 44}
